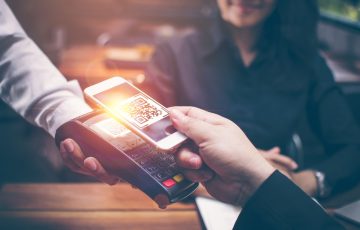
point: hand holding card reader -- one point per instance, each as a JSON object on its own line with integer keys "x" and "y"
{"x": 124, "y": 154}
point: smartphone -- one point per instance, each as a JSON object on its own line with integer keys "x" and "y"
{"x": 137, "y": 111}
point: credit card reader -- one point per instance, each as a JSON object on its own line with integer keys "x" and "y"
{"x": 124, "y": 154}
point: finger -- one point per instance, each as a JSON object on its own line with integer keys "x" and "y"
{"x": 282, "y": 160}
{"x": 162, "y": 201}
{"x": 198, "y": 130}
{"x": 199, "y": 175}
{"x": 70, "y": 163}
{"x": 96, "y": 169}
{"x": 74, "y": 152}
{"x": 200, "y": 114}
{"x": 275, "y": 150}
{"x": 185, "y": 158}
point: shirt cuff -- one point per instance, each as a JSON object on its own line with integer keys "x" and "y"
{"x": 66, "y": 111}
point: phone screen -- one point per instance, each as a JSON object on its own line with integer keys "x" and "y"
{"x": 138, "y": 109}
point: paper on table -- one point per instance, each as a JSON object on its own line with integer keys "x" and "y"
{"x": 217, "y": 215}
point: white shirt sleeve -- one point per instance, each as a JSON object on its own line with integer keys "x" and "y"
{"x": 30, "y": 83}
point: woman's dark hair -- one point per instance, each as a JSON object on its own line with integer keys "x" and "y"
{"x": 294, "y": 24}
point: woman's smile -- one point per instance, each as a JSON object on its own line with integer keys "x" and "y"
{"x": 244, "y": 7}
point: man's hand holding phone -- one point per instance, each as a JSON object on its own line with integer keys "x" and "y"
{"x": 239, "y": 169}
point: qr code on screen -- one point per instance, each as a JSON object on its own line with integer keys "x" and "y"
{"x": 142, "y": 111}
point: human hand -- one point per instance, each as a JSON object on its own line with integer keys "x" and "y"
{"x": 74, "y": 159}
{"x": 274, "y": 156}
{"x": 284, "y": 164}
{"x": 304, "y": 179}
{"x": 238, "y": 167}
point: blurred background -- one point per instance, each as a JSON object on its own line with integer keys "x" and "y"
{"x": 90, "y": 40}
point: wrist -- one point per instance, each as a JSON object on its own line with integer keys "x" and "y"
{"x": 251, "y": 179}
{"x": 306, "y": 180}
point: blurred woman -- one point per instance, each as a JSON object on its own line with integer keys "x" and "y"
{"x": 258, "y": 65}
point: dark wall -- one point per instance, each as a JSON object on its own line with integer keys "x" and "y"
{"x": 84, "y": 20}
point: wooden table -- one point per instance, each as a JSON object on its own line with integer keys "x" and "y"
{"x": 88, "y": 206}
{"x": 99, "y": 206}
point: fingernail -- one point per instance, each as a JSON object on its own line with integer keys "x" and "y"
{"x": 69, "y": 146}
{"x": 295, "y": 165}
{"x": 177, "y": 115}
{"x": 91, "y": 165}
{"x": 195, "y": 163}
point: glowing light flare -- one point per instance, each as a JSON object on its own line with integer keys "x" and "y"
{"x": 114, "y": 103}
{"x": 114, "y": 106}
{"x": 113, "y": 128}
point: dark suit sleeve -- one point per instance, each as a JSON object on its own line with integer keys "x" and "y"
{"x": 280, "y": 204}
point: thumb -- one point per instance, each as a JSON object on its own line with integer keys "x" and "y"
{"x": 197, "y": 130}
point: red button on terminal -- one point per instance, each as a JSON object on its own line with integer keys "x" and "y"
{"x": 169, "y": 183}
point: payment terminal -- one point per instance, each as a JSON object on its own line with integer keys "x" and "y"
{"x": 124, "y": 154}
